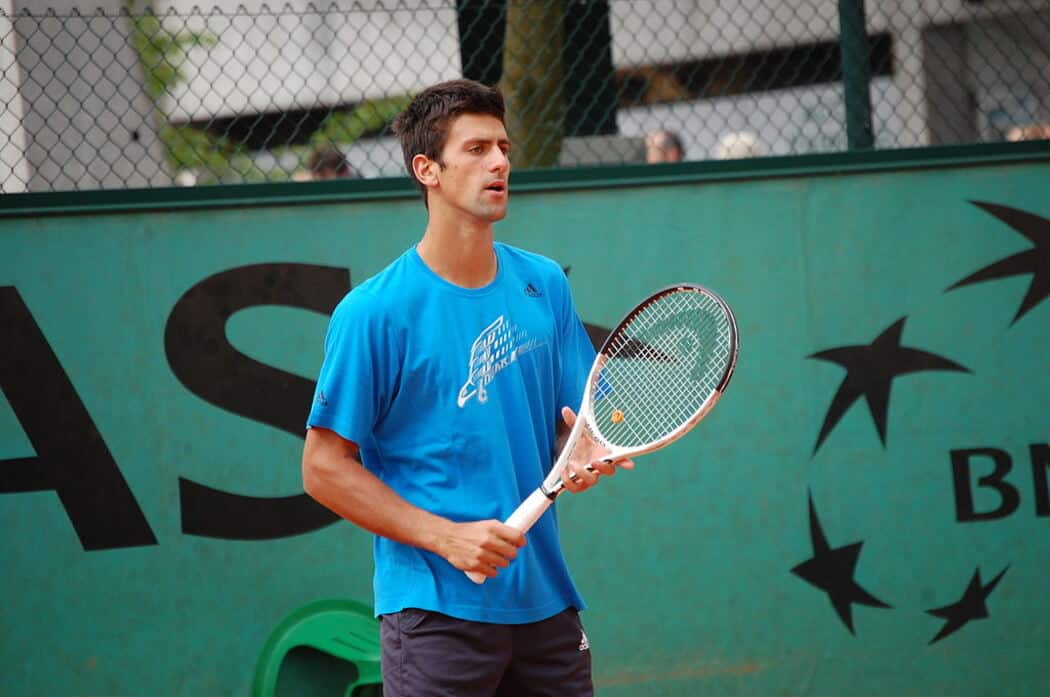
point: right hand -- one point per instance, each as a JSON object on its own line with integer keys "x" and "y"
{"x": 587, "y": 460}
{"x": 485, "y": 546}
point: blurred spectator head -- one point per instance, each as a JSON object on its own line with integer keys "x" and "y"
{"x": 663, "y": 146}
{"x": 737, "y": 145}
{"x": 329, "y": 163}
{"x": 1035, "y": 131}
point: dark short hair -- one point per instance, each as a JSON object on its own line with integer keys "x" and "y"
{"x": 424, "y": 124}
{"x": 330, "y": 159}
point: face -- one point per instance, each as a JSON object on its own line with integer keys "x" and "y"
{"x": 475, "y": 178}
{"x": 658, "y": 149}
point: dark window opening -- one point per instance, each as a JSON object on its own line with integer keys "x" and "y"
{"x": 778, "y": 68}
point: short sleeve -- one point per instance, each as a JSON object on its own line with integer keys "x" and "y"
{"x": 357, "y": 376}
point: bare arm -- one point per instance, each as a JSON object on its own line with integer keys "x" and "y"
{"x": 334, "y": 476}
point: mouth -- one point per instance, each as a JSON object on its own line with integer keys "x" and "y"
{"x": 497, "y": 187}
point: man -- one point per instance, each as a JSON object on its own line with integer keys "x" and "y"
{"x": 329, "y": 163}
{"x": 435, "y": 416}
{"x": 663, "y": 146}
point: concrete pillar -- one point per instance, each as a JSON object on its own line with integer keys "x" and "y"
{"x": 85, "y": 115}
{"x": 952, "y": 106}
{"x": 14, "y": 169}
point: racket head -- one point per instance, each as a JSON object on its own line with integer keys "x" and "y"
{"x": 661, "y": 370}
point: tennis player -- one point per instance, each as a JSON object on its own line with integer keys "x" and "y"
{"x": 447, "y": 380}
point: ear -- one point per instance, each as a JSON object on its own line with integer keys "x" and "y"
{"x": 425, "y": 170}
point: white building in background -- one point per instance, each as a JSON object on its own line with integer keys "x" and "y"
{"x": 955, "y": 68}
{"x": 74, "y": 113}
{"x": 301, "y": 56}
{"x": 961, "y": 71}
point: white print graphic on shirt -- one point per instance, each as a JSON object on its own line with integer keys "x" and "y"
{"x": 499, "y": 344}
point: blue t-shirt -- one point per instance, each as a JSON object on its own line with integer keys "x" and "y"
{"x": 452, "y": 395}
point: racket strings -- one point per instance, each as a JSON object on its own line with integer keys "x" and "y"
{"x": 662, "y": 366}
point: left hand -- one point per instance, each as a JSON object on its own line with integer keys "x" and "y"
{"x": 587, "y": 462}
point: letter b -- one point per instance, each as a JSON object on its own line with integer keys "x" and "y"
{"x": 1009, "y": 497}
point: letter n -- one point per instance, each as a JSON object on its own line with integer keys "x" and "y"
{"x": 1040, "y": 453}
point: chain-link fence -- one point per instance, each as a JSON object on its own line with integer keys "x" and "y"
{"x": 132, "y": 96}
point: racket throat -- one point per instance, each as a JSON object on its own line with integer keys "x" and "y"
{"x": 554, "y": 490}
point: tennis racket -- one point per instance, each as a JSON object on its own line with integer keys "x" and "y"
{"x": 658, "y": 373}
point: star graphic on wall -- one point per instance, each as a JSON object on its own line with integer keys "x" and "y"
{"x": 870, "y": 370}
{"x": 831, "y": 570}
{"x": 970, "y": 606}
{"x": 632, "y": 349}
{"x": 1034, "y": 261}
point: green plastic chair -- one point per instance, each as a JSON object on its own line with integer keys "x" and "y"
{"x": 338, "y": 628}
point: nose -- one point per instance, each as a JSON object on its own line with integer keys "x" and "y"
{"x": 499, "y": 162}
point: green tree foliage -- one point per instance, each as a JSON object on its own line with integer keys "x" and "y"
{"x": 345, "y": 127}
{"x": 215, "y": 158}
{"x": 161, "y": 53}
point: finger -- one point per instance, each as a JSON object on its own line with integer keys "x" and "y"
{"x": 495, "y": 560}
{"x": 496, "y": 545}
{"x": 625, "y": 463}
{"x": 478, "y": 563}
{"x": 589, "y": 476}
{"x": 511, "y": 535}
{"x": 568, "y": 416}
{"x": 573, "y": 480}
{"x": 603, "y": 467}
{"x": 581, "y": 479}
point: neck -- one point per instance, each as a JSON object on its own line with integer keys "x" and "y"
{"x": 459, "y": 251}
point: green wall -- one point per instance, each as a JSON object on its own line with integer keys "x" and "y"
{"x": 686, "y": 562}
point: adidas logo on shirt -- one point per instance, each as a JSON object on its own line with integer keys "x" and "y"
{"x": 530, "y": 290}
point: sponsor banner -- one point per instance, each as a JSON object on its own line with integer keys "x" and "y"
{"x": 866, "y": 512}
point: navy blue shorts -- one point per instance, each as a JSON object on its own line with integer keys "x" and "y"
{"x": 428, "y": 654}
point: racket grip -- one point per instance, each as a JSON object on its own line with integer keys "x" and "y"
{"x": 523, "y": 519}
{"x": 529, "y": 511}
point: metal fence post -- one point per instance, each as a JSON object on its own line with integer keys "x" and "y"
{"x": 853, "y": 41}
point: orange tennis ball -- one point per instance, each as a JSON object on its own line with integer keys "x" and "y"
{"x": 617, "y": 416}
